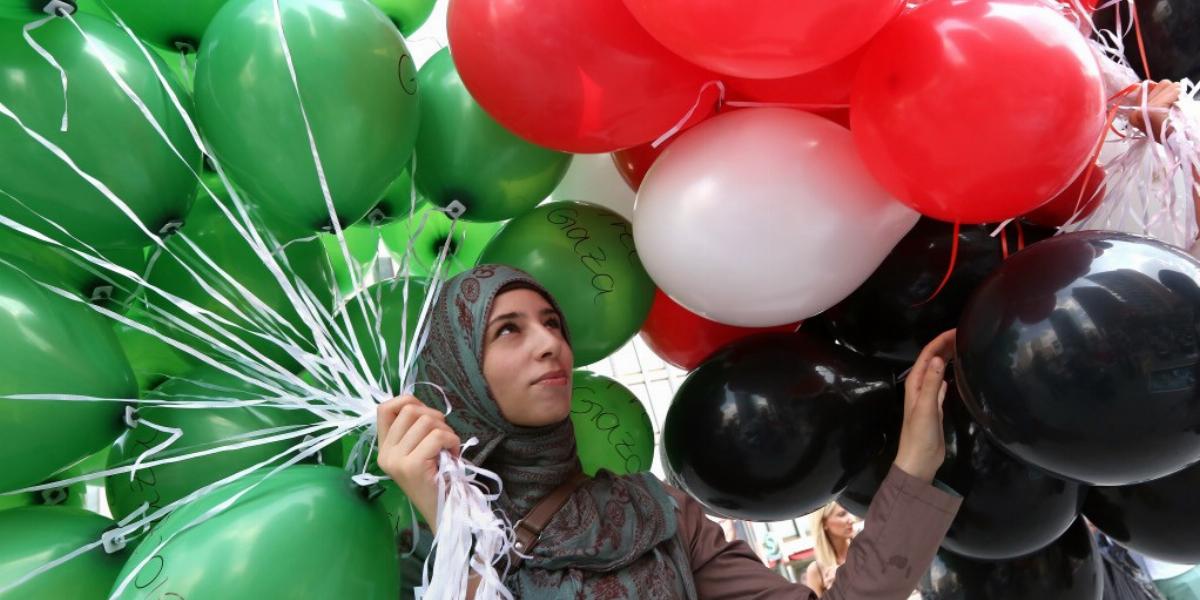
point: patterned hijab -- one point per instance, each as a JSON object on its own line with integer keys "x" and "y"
{"x": 615, "y": 537}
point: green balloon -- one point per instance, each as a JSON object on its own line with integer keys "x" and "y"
{"x": 585, "y": 257}
{"x": 465, "y": 155}
{"x": 612, "y": 430}
{"x": 166, "y": 23}
{"x": 36, "y": 535}
{"x": 107, "y": 138}
{"x": 216, "y": 236}
{"x": 152, "y": 359}
{"x": 91, "y": 281}
{"x": 363, "y": 243}
{"x": 305, "y": 532}
{"x": 408, "y": 15}
{"x": 52, "y": 345}
{"x": 359, "y": 91}
{"x": 202, "y": 429}
{"x": 396, "y": 202}
{"x": 400, "y": 511}
{"x": 469, "y": 241}
{"x": 396, "y": 324}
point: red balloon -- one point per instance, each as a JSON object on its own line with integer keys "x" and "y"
{"x": 579, "y": 76}
{"x": 632, "y": 163}
{"x": 685, "y": 339}
{"x": 1083, "y": 195}
{"x": 763, "y": 39}
{"x": 976, "y": 111}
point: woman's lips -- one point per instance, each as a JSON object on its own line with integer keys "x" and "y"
{"x": 552, "y": 378}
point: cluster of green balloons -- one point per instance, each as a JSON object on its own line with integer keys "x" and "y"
{"x": 337, "y": 130}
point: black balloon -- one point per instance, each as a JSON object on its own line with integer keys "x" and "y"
{"x": 888, "y": 317}
{"x": 1009, "y": 509}
{"x": 773, "y": 426}
{"x": 1170, "y": 32}
{"x": 1068, "y": 569}
{"x": 1160, "y": 518}
{"x": 1080, "y": 356}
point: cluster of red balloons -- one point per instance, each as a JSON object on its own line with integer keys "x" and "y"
{"x": 945, "y": 113}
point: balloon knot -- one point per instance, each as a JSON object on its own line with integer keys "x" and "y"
{"x": 59, "y": 8}
{"x": 455, "y": 209}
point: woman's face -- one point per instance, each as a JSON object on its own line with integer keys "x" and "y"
{"x": 526, "y": 360}
{"x": 840, "y": 524}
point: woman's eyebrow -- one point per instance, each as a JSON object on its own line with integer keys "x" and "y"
{"x": 505, "y": 317}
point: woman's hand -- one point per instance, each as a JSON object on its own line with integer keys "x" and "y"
{"x": 411, "y": 437}
{"x": 922, "y": 442}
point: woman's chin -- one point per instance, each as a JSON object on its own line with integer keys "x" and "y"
{"x": 547, "y": 409}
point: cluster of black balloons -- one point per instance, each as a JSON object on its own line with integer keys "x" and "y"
{"x": 1077, "y": 392}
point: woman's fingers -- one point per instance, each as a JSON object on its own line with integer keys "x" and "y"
{"x": 421, "y": 428}
{"x": 933, "y": 382}
{"x": 432, "y": 444}
{"x": 387, "y": 412}
{"x": 943, "y": 346}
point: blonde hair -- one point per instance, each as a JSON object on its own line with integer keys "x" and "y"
{"x": 826, "y": 557}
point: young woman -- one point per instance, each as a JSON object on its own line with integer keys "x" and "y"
{"x": 833, "y": 529}
{"x": 500, "y": 353}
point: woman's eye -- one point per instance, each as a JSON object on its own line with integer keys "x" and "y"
{"x": 506, "y": 329}
{"x": 553, "y": 324}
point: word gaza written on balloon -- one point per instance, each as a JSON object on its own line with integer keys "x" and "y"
{"x": 609, "y": 423}
{"x": 602, "y": 282}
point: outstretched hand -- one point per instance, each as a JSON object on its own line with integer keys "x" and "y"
{"x": 922, "y": 442}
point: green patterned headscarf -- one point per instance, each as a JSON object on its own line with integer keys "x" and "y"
{"x": 615, "y": 537}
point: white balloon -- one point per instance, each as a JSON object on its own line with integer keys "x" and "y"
{"x": 763, "y": 217}
{"x": 594, "y": 178}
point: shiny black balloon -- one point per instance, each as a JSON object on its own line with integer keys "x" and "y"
{"x": 1170, "y": 32}
{"x": 773, "y": 426}
{"x": 1068, "y": 569}
{"x": 1080, "y": 356}
{"x": 888, "y": 317}
{"x": 1159, "y": 518}
{"x": 1009, "y": 509}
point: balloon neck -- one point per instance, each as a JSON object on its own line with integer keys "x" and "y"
{"x": 186, "y": 45}
{"x": 57, "y": 8}
{"x": 102, "y": 293}
{"x": 170, "y": 227}
{"x": 450, "y": 243}
{"x": 55, "y": 496}
{"x": 370, "y": 492}
{"x": 455, "y": 209}
{"x": 378, "y": 216}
